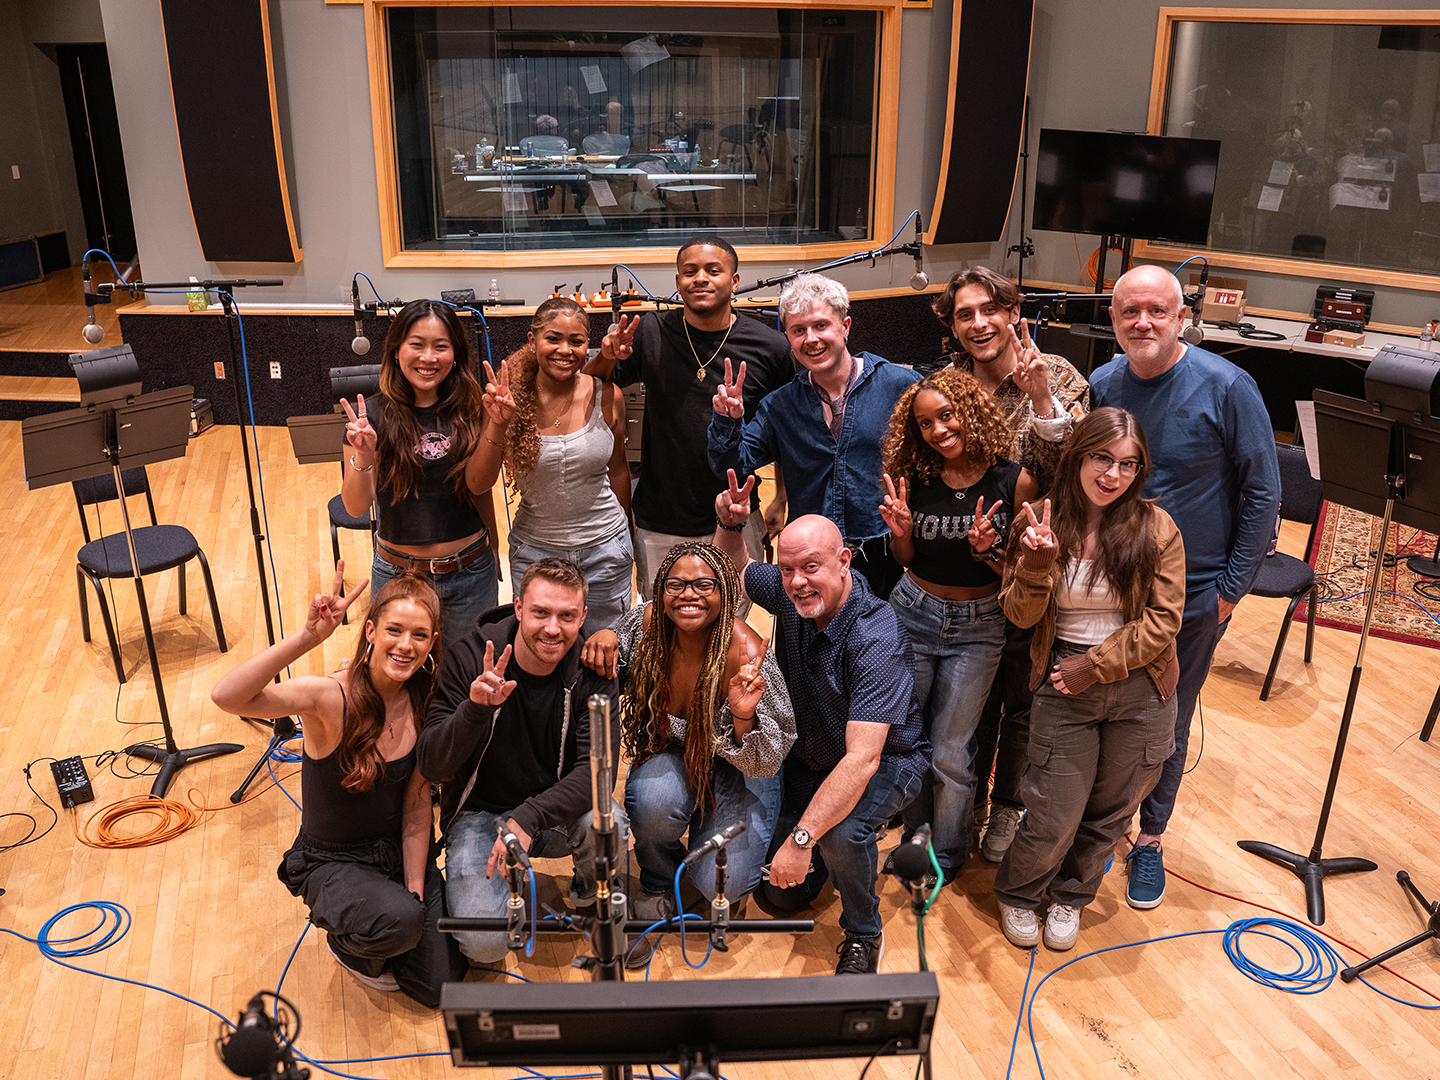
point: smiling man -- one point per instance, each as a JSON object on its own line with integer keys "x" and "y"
{"x": 823, "y": 427}
{"x": 509, "y": 734}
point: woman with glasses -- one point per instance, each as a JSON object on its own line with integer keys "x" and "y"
{"x": 949, "y": 498}
{"x": 705, "y": 716}
{"x": 1100, "y": 573}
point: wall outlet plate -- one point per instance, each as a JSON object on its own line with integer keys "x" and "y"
{"x": 275, "y": 369}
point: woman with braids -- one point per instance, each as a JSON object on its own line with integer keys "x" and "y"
{"x": 1100, "y": 573}
{"x": 707, "y": 722}
{"x": 408, "y": 446}
{"x": 949, "y": 496}
{"x": 561, "y": 436}
{"x": 364, "y": 860}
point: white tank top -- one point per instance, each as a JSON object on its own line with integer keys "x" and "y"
{"x": 1085, "y": 609}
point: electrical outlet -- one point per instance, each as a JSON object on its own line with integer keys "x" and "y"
{"x": 219, "y": 369}
{"x": 15, "y": 171}
{"x": 274, "y": 369}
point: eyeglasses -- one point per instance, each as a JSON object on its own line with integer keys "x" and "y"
{"x": 1103, "y": 463}
{"x": 703, "y": 586}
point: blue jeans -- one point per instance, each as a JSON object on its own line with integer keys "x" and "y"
{"x": 847, "y": 853}
{"x": 469, "y": 894}
{"x": 608, "y": 568}
{"x": 465, "y": 594}
{"x": 957, "y": 647}
{"x": 663, "y": 808}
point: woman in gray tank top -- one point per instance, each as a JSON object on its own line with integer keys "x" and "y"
{"x": 561, "y": 436}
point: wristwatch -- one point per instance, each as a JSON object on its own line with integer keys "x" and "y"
{"x": 802, "y": 837}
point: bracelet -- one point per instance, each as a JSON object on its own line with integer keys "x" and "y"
{"x": 492, "y": 442}
{"x": 1053, "y": 414}
{"x": 357, "y": 468}
{"x": 732, "y": 528}
{"x": 991, "y": 554}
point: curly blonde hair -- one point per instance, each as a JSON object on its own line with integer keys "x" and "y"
{"x": 904, "y": 451}
{"x": 522, "y": 437}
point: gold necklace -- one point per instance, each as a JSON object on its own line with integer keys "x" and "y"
{"x": 565, "y": 411}
{"x": 700, "y": 371}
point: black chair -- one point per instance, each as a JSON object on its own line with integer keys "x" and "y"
{"x": 159, "y": 547}
{"x": 1285, "y": 575}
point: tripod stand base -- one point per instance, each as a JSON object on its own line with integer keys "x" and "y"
{"x": 172, "y": 761}
{"x": 1432, "y": 932}
{"x": 1312, "y": 872}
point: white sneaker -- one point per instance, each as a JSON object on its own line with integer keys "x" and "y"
{"x": 1004, "y": 820}
{"x": 1020, "y": 926}
{"x": 1062, "y": 927}
{"x": 385, "y": 982}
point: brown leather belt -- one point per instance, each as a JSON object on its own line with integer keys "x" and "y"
{"x": 447, "y": 564}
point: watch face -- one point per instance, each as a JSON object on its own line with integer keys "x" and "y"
{"x": 801, "y": 837}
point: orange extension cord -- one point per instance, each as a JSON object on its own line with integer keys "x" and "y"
{"x": 172, "y": 817}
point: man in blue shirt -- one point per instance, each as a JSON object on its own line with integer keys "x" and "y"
{"x": 824, "y": 427}
{"x": 861, "y": 750}
{"x": 1213, "y": 469}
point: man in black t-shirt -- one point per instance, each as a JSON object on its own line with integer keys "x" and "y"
{"x": 509, "y": 737}
{"x": 680, "y": 357}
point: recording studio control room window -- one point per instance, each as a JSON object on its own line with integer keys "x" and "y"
{"x": 535, "y": 128}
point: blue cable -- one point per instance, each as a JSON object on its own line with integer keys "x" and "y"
{"x": 304, "y": 930}
{"x": 1192, "y": 258}
{"x": 530, "y": 942}
{"x": 1383, "y": 592}
{"x": 666, "y": 922}
{"x": 501, "y": 971}
{"x": 485, "y": 326}
{"x": 376, "y": 291}
{"x": 1024, "y": 995}
{"x": 102, "y": 251}
{"x": 679, "y": 906}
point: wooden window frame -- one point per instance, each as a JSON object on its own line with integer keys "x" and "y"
{"x": 1159, "y": 252}
{"x": 885, "y": 128}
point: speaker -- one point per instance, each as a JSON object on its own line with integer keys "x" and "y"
{"x": 990, "y": 45}
{"x": 228, "y": 115}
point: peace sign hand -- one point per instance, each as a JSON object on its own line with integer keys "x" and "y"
{"x": 490, "y": 686}
{"x": 498, "y": 402}
{"x": 729, "y": 399}
{"x": 747, "y": 687}
{"x": 895, "y": 510}
{"x": 618, "y": 342}
{"x": 982, "y": 534}
{"x": 327, "y": 610}
{"x": 732, "y": 506}
{"x": 1031, "y": 374}
{"x": 1037, "y": 536}
{"x": 359, "y": 434}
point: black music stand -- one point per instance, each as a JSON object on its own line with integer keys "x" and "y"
{"x": 109, "y": 436}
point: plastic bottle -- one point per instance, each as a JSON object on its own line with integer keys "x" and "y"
{"x": 494, "y": 290}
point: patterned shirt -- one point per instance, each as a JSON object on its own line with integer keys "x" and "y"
{"x": 1037, "y": 444}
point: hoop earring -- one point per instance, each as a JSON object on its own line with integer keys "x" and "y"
{"x": 369, "y": 645}
{"x": 430, "y": 660}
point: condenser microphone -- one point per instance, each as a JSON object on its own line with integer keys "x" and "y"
{"x": 919, "y": 280}
{"x": 361, "y": 345}
{"x": 715, "y": 843}
{"x": 1194, "y": 334}
{"x": 512, "y": 845}
{"x": 94, "y": 333}
{"x": 912, "y": 858}
{"x": 251, "y": 1049}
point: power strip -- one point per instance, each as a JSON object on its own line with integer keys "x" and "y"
{"x": 72, "y": 781}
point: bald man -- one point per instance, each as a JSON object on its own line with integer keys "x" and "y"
{"x": 861, "y": 749}
{"x": 1213, "y": 470}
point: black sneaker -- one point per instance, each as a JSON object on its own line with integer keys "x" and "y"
{"x": 860, "y": 955}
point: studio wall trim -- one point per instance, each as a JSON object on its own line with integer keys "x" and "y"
{"x": 222, "y": 60}
{"x": 989, "y": 56}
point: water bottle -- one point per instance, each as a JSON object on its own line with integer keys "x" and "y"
{"x": 494, "y": 290}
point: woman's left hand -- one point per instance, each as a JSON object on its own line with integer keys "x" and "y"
{"x": 982, "y": 534}
{"x": 748, "y": 686}
{"x": 327, "y": 610}
{"x": 1058, "y": 681}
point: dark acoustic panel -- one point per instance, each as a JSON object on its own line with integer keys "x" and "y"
{"x": 989, "y": 70}
{"x": 227, "y": 117}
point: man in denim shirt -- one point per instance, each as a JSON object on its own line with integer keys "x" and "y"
{"x": 824, "y": 427}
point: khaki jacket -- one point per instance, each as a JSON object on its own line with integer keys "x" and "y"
{"x": 1028, "y": 598}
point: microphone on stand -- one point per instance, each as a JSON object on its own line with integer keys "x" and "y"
{"x": 919, "y": 280}
{"x": 912, "y": 862}
{"x": 512, "y": 844}
{"x": 1194, "y": 333}
{"x": 94, "y": 333}
{"x": 361, "y": 345}
{"x": 715, "y": 843}
{"x": 615, "y": 294}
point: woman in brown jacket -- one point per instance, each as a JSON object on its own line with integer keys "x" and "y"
{"x": 1100, "y": 573}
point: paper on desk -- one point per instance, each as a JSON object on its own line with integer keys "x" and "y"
{"x": 601, "y": 190}
{"x": 512, "y": 200}
{"x": 1270, "y": 196}
{"x": 594, "y": 81}
{"x": 1362, "y": 195}
{"x": 1305, "y": 410}
{"x": 1429, "y": 186}
{"x": 1280, "y": 173}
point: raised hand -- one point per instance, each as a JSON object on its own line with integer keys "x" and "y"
{"x": 601, "y": 653}
{"x": 1037, "y": 535}
{"x": 732, "y": 506}
{"x": 490, "y": 686}
{"x": 729, "y": 399}
{"x": 1031, "y": 374}
{"x": 498, "y": 402}
{"x": 747, "y": 687}
{"x": 982, "y": 534}
{"x": 895, "y": 510}
{"x": 327, "y": 610}
{"x": 359, "y": 434}
{"x": 619, "y": 340}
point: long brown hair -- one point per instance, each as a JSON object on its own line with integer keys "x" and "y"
{"x": 459, "y": 407}
{"x": 1128, "y": 555}
{"x": 644, "y": 706}
{"x": 522, "y": 436}
{"x": 904, "y": 451}
{"x": 360, "y": 755}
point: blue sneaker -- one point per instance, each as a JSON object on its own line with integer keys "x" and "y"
{"x": 1147, "y": 876}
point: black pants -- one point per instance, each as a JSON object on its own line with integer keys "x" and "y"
{"x": 1004, "y": 730}
{"x": 357, "y": 894}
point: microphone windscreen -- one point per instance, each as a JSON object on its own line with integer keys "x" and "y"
{"x": 360, "y": 346}
{"x": 250, "y": 1051}
{"x": 919, "y": 280}
{"x": 94, "y": 333}
{"x": 911, "y": 862}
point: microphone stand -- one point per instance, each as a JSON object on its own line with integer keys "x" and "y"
{"x": 915, "y": 249}
{"x": 515, "y": 906}
{"x": 720, "y": 907}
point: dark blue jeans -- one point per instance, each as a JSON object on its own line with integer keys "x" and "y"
{"x": 847, "y": 853}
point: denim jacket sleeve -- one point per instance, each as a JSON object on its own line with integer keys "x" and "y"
{"x": 734, "y": 444}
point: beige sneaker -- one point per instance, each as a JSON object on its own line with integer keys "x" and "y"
{"x": 1004, "y": 820}
{"x": 1020, "y": 926}
{"x": 1062, "y": 927}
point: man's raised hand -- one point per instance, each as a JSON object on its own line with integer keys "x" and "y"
{"x": 619, "y": 340}
{"x": 1031, "y": 373}
{"x": 729, "y": 397}
{"x": 490, "y": 686}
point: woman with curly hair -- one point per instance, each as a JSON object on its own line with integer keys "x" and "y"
{"x": 706, "y": 719}
{"x": 561, "y": 436}
{"x": 408, "y": 447}
{"x": 949, "y": 496}
{"x": 1100, "y": 573}
{"x": 364, "y": 859}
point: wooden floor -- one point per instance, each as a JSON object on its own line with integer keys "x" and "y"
{"x": 211, "y": 921}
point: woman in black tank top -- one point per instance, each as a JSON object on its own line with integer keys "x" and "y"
{"x": 363, "y": 861}
{"x": 949, "y": 498}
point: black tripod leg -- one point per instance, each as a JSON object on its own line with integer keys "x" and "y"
{"x": 275, "y": 740}
{"x": 1430, "y": 720}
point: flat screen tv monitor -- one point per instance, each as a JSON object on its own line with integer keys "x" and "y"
{"x": 1109, "y": 183}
